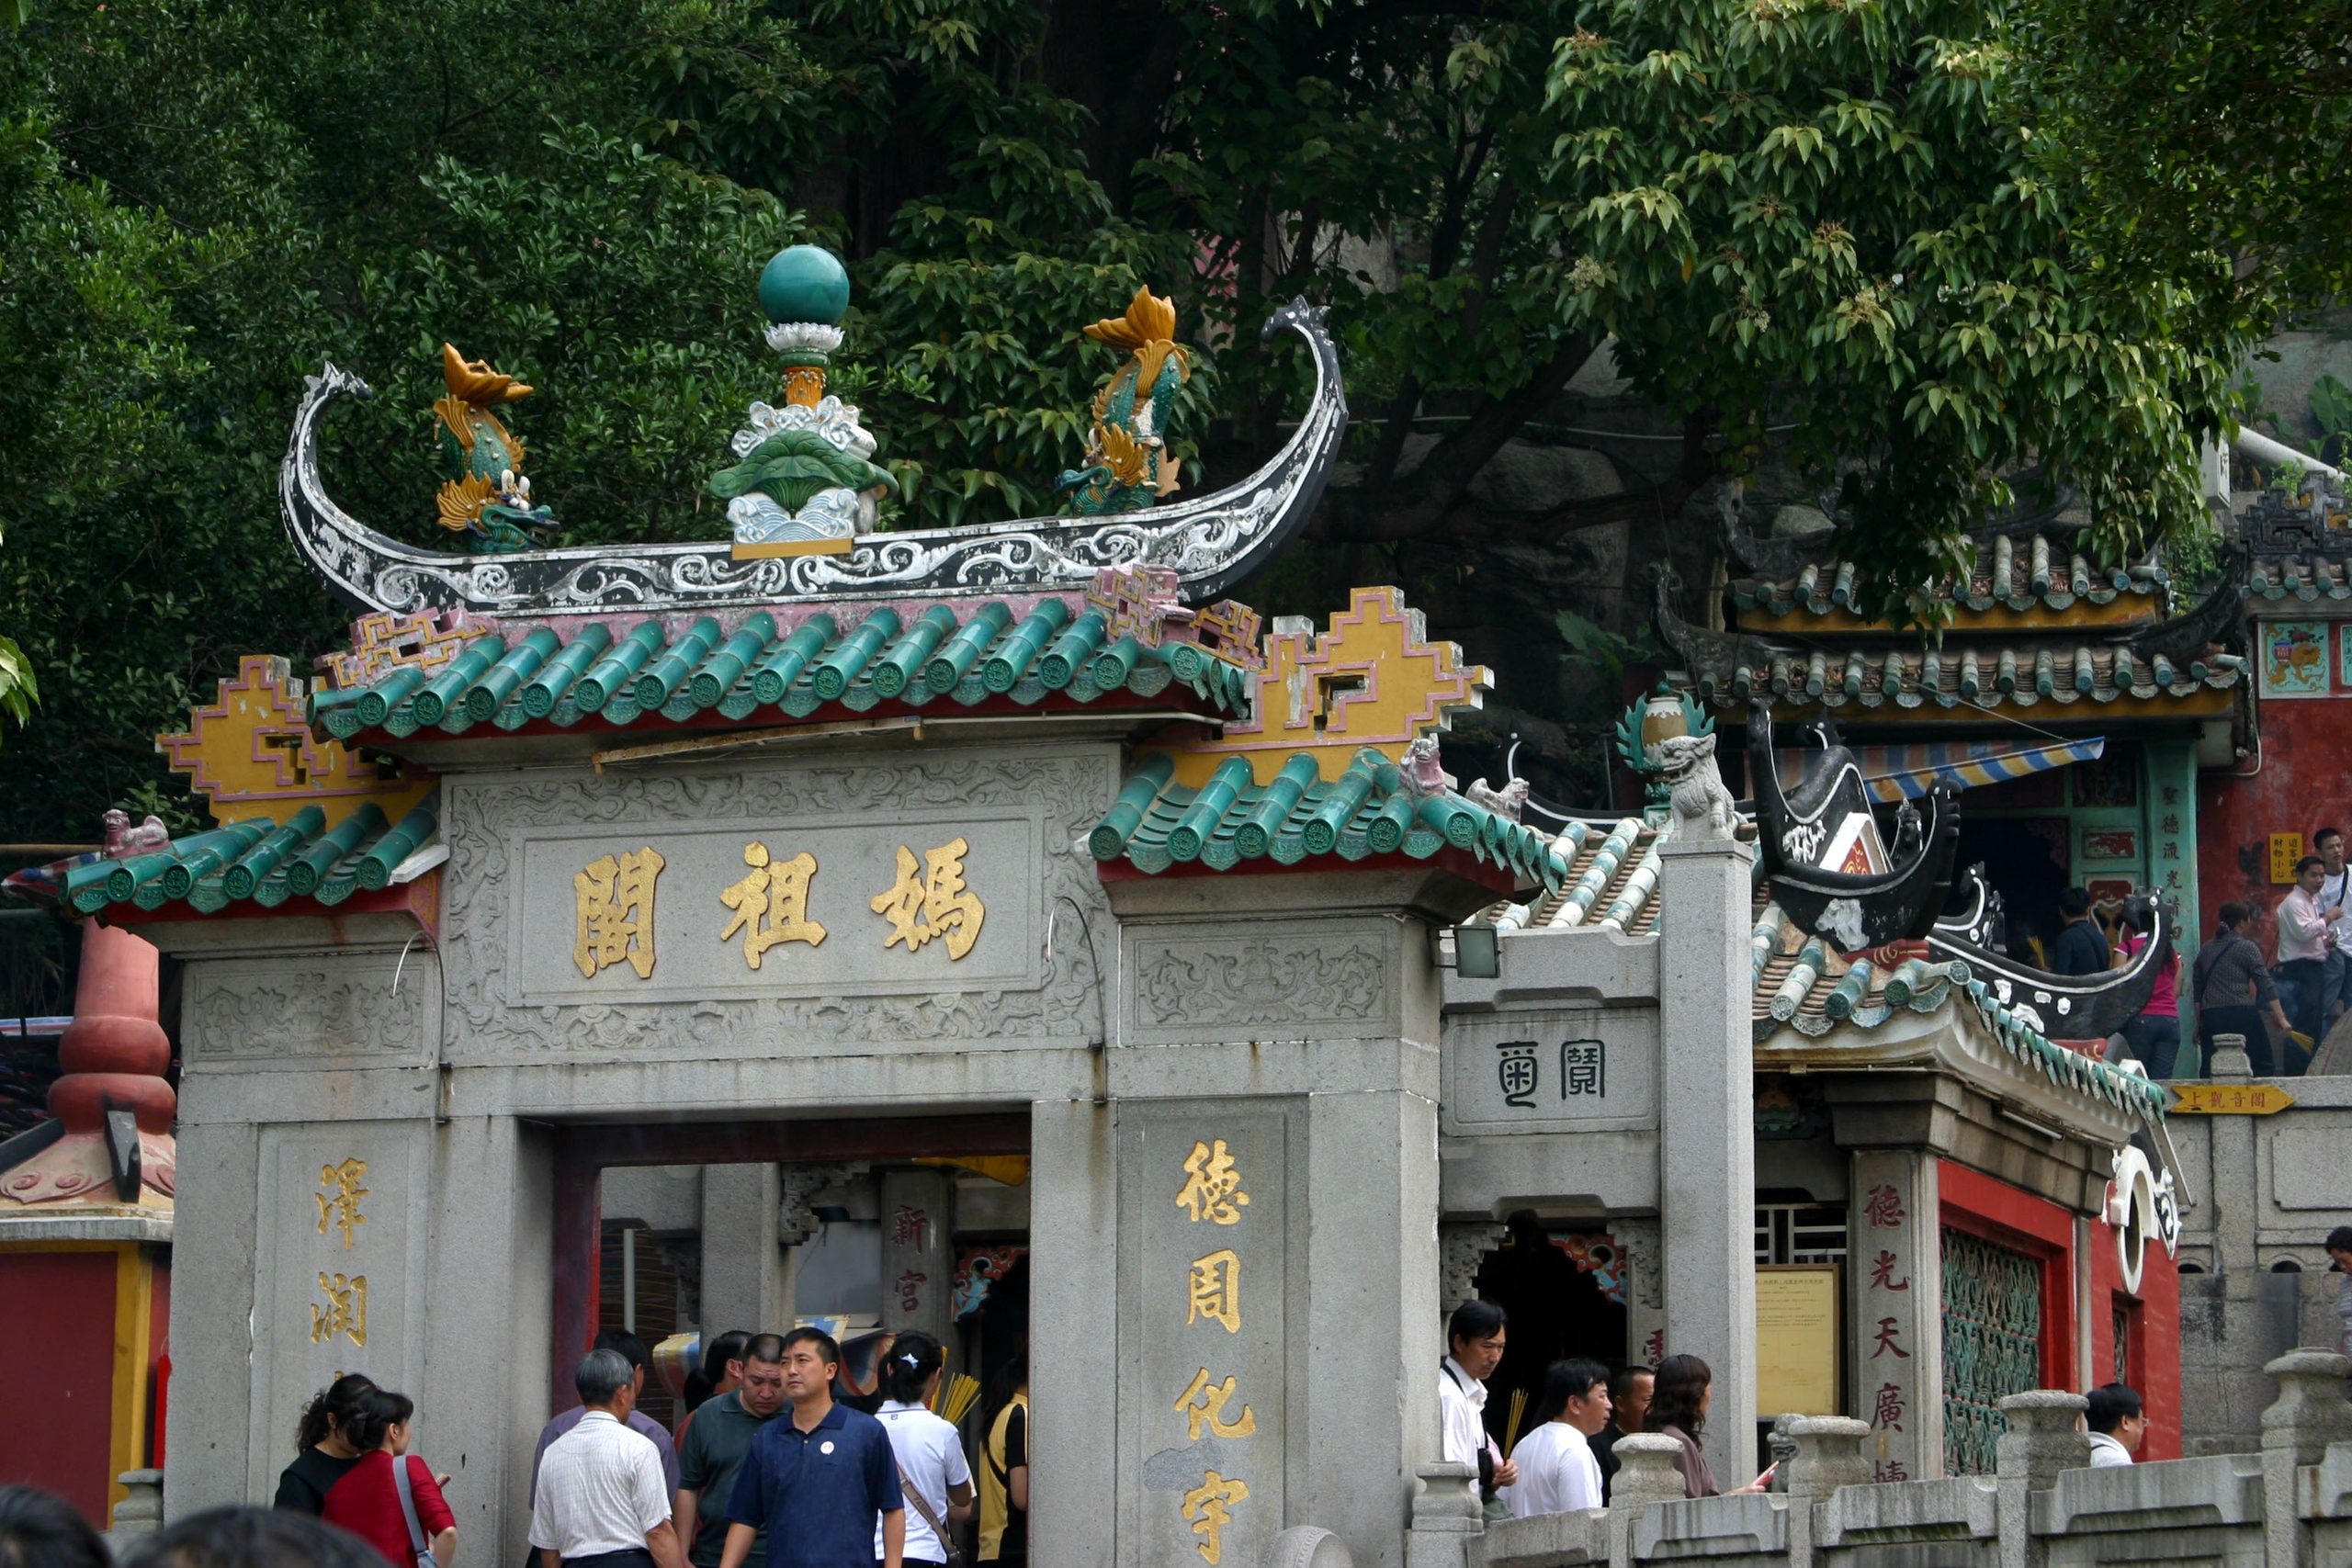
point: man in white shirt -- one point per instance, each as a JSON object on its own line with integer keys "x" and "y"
{"x": 2335, "y": 893}
{"x": 2306, "y": 927}
{"x": 601, "y": 1497}
{"x": 1559, "y": 1473}
{"x": 1475, "y": 1335}
{"x": 2119, "y": 1424}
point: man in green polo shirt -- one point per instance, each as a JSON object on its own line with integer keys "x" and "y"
{"x": 721, "y": 1435}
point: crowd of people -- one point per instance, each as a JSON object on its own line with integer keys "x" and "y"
{"x": 2282, "y": 1004}
{"x": 1564, "y": 1459}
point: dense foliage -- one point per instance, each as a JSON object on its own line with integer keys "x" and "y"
{"x": 2200, "y": 141}
{"x": 1797, "y": 213}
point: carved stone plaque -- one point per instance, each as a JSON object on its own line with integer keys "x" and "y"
{"x": 370, "y": 1011}
{"x": 1553, "y": 1070}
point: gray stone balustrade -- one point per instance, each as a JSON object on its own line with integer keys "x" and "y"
{"x": 2287, "y": 1507}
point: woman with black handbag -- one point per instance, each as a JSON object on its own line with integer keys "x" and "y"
{"x": 2232, "y": 985}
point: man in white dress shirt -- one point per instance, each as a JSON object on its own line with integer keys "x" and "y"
{"x": 1475, "y": 1335}
{"x": 1558, "y": 1470}
{"x": 2119, "y": 1424}
{"x": 600, "y": 1500}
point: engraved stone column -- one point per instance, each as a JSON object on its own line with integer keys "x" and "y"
{"x": 1895, "y": 1292}
{"x": 1707, "y": 1135}
{"x": 916, "y": 1289}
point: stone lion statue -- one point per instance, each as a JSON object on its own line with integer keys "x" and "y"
{"x": 1704, "y": 809}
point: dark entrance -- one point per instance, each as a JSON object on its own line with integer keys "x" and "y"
{"x": 1565, "y": 1291}
{"x": 2029, "y": 860}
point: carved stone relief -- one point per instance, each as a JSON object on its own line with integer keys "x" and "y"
{"x": 382, "y": 1012}
{"x": 1288, "y": 976}
{"x": 1637, "y": 1243}
{"x": 1462, "y": 1246}
{"x": 485, "y": 822}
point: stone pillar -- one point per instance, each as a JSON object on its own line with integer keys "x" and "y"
{"x": 1894, "y": 1283}
{"x": 489, "y": 1261}
{"x": 744, "y": 1283}
{"x": 214, "y": 1231}
{"x": 1447, "y": 1518}
{"x": 1074, "y": 1452}
{"x": 141, "y": 1513}
{"x": 1829, "y": 1455}
{"x": 1645, "y": 1474}
{"x": 2040, "y": 1441}
{"x": 2311, "y": 1413}
{"x": 1707, "y": 1135}
{"x": 2236, "y": 1182}
{"x": 917, "y": 1292}
{"x": 1643, "y": 1273}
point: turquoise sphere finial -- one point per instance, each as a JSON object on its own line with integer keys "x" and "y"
{"x": 805, "y": 283}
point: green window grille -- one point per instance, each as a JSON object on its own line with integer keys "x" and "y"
{"x": 1991, "y": 1344}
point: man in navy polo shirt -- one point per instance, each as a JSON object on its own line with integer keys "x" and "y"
{"x": 817, "y": 1481}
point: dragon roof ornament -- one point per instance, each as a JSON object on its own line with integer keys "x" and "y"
{"x": 1209, "y": 542}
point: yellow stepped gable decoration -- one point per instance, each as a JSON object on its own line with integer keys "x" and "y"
{"x": 383, "y": 642}
{"x": 1372, "y": 678}
{"x": 252, "y": 754}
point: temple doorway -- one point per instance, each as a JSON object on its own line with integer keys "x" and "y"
{"x": 1564, "y": 1287}
{"x": 2028, "y": 863}
{"x": 865, "y": 1230}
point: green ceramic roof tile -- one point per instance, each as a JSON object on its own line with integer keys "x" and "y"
{"x": 2308, "y": 578}
{"x": 2019, "y": 574}
{"x": 261, "y": 861}
{"x": 2024, "y": 674}
{"x": 1156, "y": 823}
{"x": 619, "y": 674}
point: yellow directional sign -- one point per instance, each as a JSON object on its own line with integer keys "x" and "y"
{"x": 2230, "y": 1099}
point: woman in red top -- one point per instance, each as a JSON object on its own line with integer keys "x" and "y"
{"x": 367, "y": 1502}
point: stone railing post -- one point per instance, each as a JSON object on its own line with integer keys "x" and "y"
{"x": 1828, "y": 1455}
{"x": 140, "y": 1514}
{"x": 1448, "y": 1520}
{"x": 1645, "y": 1474}
{"x": 2311, "y": 1413}
{"x": 2040, "y": 1441}
{"x": 1308, "y": 1546}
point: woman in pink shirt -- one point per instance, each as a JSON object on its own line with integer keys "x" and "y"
{"x": 2154, "y": 1035}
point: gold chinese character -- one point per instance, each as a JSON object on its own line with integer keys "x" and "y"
{"x": 1210, "y": 1507}
{"x": 614, "y": 906}
{"x": 346, "y": 1309}
{"x": 1209, "y": 1410}
{"x": 771, "y": 905}
{"x": 1212, "y": 1186}
{"x": 339, "y": 1205}
{"x": 946, "y": 905}
{"x": 1216, "y": 1290}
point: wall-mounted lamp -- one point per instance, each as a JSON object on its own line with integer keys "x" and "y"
{"x": 1478, "y": 953}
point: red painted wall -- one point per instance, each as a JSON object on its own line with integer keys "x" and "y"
{"x": 2152, "y": 1351}
{"x": 56, "y": 1419}
{"x": 2303, "y": 782}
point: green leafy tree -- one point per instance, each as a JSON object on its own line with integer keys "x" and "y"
{"x": 2199, "y": 144}
{"x": 1814, "y": 210}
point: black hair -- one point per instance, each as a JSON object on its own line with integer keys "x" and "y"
{"x": 2109, "y": 1404}
{"x": 1009, "y": 1381}
{"x": 768, "y": 1348}
{"x": 1575, "y": 1378}
{"x": 914, "y": 1358}
{"x": 373, "y": 1415}
{"x": 628, "y": 1344}
{"x": 728, "y": 1346}
{"x": 39, "y": 1530}
{"x": 2231, "y": 915}
{"x": 2308, "y": 862}
{"x": 1475, "y": 1320}
{"x": 2327, "y": 833}
{"x": 2074, "y": 903}
{"x": 239, "y": 1537}
{"x": 1682, "y": 1388}
{"x": 1622, "y": 1383}
{"x": 2340, "y": 1239}
{"x": 829, "y": 1350}
{"x": 602, "y": 1374}
{"x": 330, "y": 1408}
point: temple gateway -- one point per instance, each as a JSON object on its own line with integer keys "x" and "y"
{"x": 1000, "y": 931}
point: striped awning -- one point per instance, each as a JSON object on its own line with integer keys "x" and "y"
{"x": 1900, "y": 773}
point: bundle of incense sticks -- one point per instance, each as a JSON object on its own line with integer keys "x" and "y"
{"x": 955, "y": 1396}
{"x": 1510, "y": 1427}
